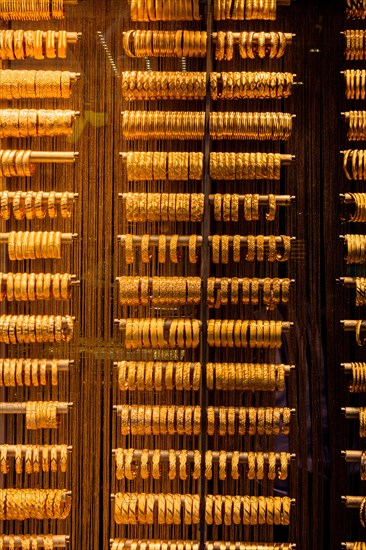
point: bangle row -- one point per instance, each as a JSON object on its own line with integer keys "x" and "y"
{"x": 35, "y": 205}
{"x": 15, "y": 84}
{"x": 223, "y": 125}
{"x": 181, "y": 43}
{"x": 27, "y": 372}
{"x": 16, "y": 163}
{"x": 248, "y": 421}
{"x": 163, "y": 10}
{"x": 35, "y": 459}
{"x": 149, "y": 466}
{"x": 21, "y": 504}
{"x": 161, "y": 166}
{"x": 247, "y": 510}
{"x": 160, "y": 420}
{"x": 156, "y": 376}
{"x": 28, "y": 329}
{"x": 153, "y": 85}
{"x": 175, "y": 251}
{"x": 355, "y": 248}
{"x": 354, "y": 165}
{"x": 362, "y": 421}
{"x": 358, "y": 383}
{"x": 159, "y": 508}
{"x": 31, "y": 11}
{"x": 157, "y": 333}
{"x": 357, "y": 213}
{"x": 172, "y": 207}
{"x": 243, "y": 334}
{"x": 245, "y": 166}
{"x": 35, "y": 286}
{"x": 28, "y": 542}
{"x": 355, "y": 44}
{"x": 19, "y": 44}
{"x": 245, "y": 376}
{"x": 244, "y": 10}
{"x": 256, "y": 245}
{"x": 151, "y": 544}
{"x": 356, "y": 122}
{"x": 226, "y": 207}
{"x": 274, "y": 291}
{"x": 41, "y": 415}
{"x": 177, "y": 291}
{"x": 356, "y": 9}
{"x": 36, "y": 122}
{"x": 32, "y": 245}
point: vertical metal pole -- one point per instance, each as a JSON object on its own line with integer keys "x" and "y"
{"x": 205, "y": 272}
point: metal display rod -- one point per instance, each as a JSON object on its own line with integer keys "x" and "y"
{"x": 182, "y": 497}
{"x": 164, "y": 456}
{"x": 20, "y": 408}
{"x": 352, "y": 456}
{"x": 65, "y": 237}
{"x": 351, "y": 501}
{"x": 183, "y": 240}
{"x": 218, "y": 281}
{"x": 74, "y": 281}
{"x": 118, "y": 408}
{"x": 285, "y": 159}
{"x": 347, "y": 367}
{"x": 53, "y": 156}
{"x": 45, "y": 195}
{"x": 350, "y": 325}
{"x": 288, "y": 35}
{"x": 59, "y": 541}
{"x": 351, "y": 412}
{"x": 167, "y": 323}
{"x": 11, "y": 449}
{"x": 281, "y": 200}
{"x": 219, "y": 545}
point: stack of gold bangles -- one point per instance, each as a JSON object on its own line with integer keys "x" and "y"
{"x": 248, "y": 421}
{"x": 356, "y": 121}
{"x": 245, "y": 166}
{"x": 226, "y": 207}
{"x": 33, "y": 11}
{"x": 358, "y": 383}
{"x": 153, "y": 544}
{"x": 33, "y": 122}
{"x": 360, "y": 291}
{"x": 35, "y": 286}
{"x": 159, "y": 333}
{"x": 247, "y": 291}
{"x": 156, "y": 376}
{"x": 151, "y": 85}
{"x": 175, "y": 252}
{"x": 247, "y": 510}
{"x": 356, "y": 9}
{"x": 257, "y": 44}
{"x": 160, "y": 508}
{"x": 362, "y": 420}
{"x": 357, "y": 213}
{"x": 35, "y": 204}
{"x": 19, "y": 44}
{"x": 255, "y": 248}
{"x": 245, "y": 9}
{"x": 254, "y": 468}
{"x": 27, "y": 372}
{"x": 355, "y": 80}
{"x": 41, "y": 414}
{"x": 28, "y": 541}
{"x": 21, "y": 504}
{"x": 32, "y": 245}
{"x": 160, "y": 419}
{"x": 176, "y": 166}
{"x": 36, "y": 458}
{"x": 245, "y": 376}
{"x": 223, "y": 125}
{"x": 135, "y": 291}
{"x": 163, "y": 10}
{"x": 250, "y": 85}
{"x": 165, "y": 43}
{"x": 28, "y": 329}
{"x": 15, "y": 84}
{"x": 355, "y": 44}
{"x": 251, "y": 125}
{"x": 355, "y": 248}
{"x": 130, "y": 467}
{"x": 230, "y": 333}
{"x": 354, "y": 167}
{"x": 14, "y": 163}
{"x": 163, "y": 125}
{"x": 156, "y": 207}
